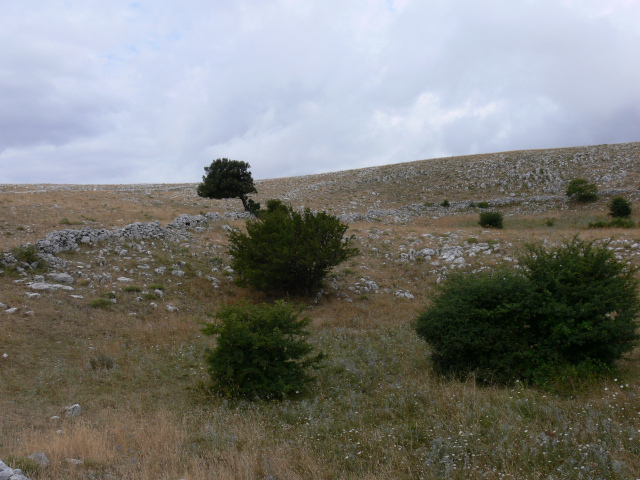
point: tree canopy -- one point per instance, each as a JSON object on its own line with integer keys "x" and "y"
{"x": 227, "y": 179}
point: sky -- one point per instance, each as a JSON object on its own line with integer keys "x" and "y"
{"x": 114, "y": 92}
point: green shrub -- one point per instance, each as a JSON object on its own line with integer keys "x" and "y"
{"x": 550, "y": 222}
{"x": 569, "y": 312}
{"x": 100, "y": 303}
{"x": 102, "y": 362}
{"x": 620, "y": 208}
{"x": 614, "y": 223}
{"x": 483, "y": 205}
{"x": 109, "y": 295}
{"x": 132, "y": 288}
{"x": 28, "y": 254}
{"x": 445, "y": 203}
{"x": 477, "y": 324}
{"x": 586, "y": 302}
{"x": 28, "y": 466}
{"x": 490, "y": 219}
{"x": 261, "y": 351}
{"x": 581, "y": 190}
{"x": 289, "y": 251}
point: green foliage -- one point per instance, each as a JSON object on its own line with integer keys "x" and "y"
{"x": 490, "y": 219}
{"x": 620, "y": 208}
{"x": 261, "y": 351}
{"x": 132, "y": 288}
{"x": 102, "y": 361}
{"x": 586, "y": 302}
{"x": 28, "y": 466}
{"x": 483, "y": 205}
{"x": 582, "y": 191}
{"x": 289, "y": 251}
{"x": 550, "y": 222}
{"x": 277, "y": 205}
{"x": 228, "y": 179}
{"x": 100, "y": 303}
{"x": 445, "y": 203}
{"x": 570, "y": 312}
{"x": 477, "y": 323}
{"x": 109, "y": 295}
{"x": 28, "y": 254}
{"x": 614, "y": 223}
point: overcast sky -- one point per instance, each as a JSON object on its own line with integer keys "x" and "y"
{"x": 97, "y": 91}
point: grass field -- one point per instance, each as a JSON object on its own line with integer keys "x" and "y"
{"x": 377, "y": 410}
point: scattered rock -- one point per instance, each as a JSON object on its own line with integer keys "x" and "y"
{"x": 74, "y": 410}
{"x": 61, "y": 278}
{"x": 41, "y": 459}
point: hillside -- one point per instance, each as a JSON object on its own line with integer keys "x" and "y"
{"x": 113, "y": 323}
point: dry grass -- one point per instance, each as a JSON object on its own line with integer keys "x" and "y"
{"x": 376, "y": 411}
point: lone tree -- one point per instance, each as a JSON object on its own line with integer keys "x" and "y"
{"x": 228, "y": 179}
{"x": 582, "y": 191}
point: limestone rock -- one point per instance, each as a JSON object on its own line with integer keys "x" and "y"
{"x": 74, "y": 410}
{"x": 61, "y": 278}
{"x": 41, "y": 459}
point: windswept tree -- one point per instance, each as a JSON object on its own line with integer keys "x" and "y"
{"x": 228, "y": 179}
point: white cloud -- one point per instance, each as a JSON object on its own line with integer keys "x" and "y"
{"x": 153, "y": 91}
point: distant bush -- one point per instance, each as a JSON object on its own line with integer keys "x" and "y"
{"x": 132, "y": 288}
{"x": 614, "y": 223}
{"x": 288, "y": 251}
{"x": 483, "y": 204}
{"x": 100, "y": 303}
{"x": 261, "y": 351}
{"x": 568, "y": 311}
{"x": 581, "y": 190}
{"x": 550, "y": 222}
{"x": 445, "y": 203}
{"x": 491, "y": 219}
{"x": 620, "y": 208}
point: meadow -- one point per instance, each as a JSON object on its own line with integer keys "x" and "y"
{"x": 376, "y": 410}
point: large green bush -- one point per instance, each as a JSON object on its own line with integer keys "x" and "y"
{"x": 573, "y": 308}
{"x": 288, "y": 251}
{"x": 581, "y": 190}
{"x": 478, "y": 323}
{"x": 261, "y": 351}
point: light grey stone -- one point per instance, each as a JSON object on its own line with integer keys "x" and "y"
{"x": 74, "y": 410}
{"x": 61, "y": 278}
{"x": 41, "y": 459}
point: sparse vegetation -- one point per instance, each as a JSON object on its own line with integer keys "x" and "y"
{"x": 100, "y": 303}
{"x": 132, "y": 288}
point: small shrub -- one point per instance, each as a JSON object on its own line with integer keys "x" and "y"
{"x": 102, "y": 362}
{"x": 483, "y": 205}
{"x": 100, "y": 303}
{"x": 491, "y": 219}
{"x": 428, "y": 204}
{"x": 109, "y": 295}
{"x": 582, "y": 191}
{"x": 29, "y": 467}
{"x": 289, "y": 251}
{"x": 620, "y": 208}
{"x": 472, "y": 240}
{"x": 150, "y": 296}
{"x": 622, "y": 223}
{"x": 28, "y": 254}
{"x": 568, "y": 313}
{"x": 445, "y": 203}
{"x": 20, "y": 228}
{"x": 614, "y": 223}
{"x": 261, "y": 351}
{"x": 132, "y": 288}
{"x": 550, "y": 222}
{"x": 65, "y": 221}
